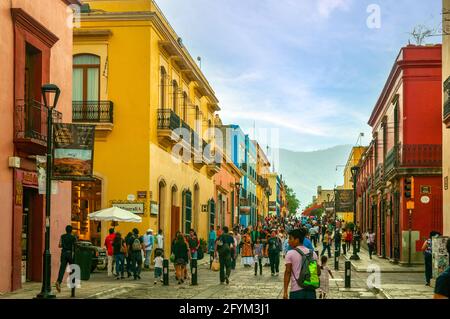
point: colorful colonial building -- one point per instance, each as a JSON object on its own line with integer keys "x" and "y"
{"x": 35, "y": 49}
{"x": 154, "y": 110}
{"x": 407, "y": 142}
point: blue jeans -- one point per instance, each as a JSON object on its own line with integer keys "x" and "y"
{"x": 302, "y": 294}
{"x": 120, "y": 264}
{"x": 148, "y": 254}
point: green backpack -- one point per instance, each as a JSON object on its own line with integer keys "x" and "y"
{"x": 309, "y": 274}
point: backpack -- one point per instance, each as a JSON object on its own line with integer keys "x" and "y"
{"x": 223, "y": 248}
{"x": 136, "y": 246}
{"x": 309, "y": 275}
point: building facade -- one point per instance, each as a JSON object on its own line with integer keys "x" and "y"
{"x": 36, "y": 49}
{"x": 262, "y": 188}
{"x": 154, "y": 111}
{"x": 250, "y": 182}
{"x": 407, "y": 142}
{"x": 446, "y": 116}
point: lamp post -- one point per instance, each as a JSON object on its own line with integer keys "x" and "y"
{"x": 238, "y": 188}
{"x": 51, "y": 90}
{"x": 354, "y": 170}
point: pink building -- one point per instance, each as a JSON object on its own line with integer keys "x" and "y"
{"x": 35, "y": 48}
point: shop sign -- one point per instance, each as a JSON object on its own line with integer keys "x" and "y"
{"x": 30, "y": 178}
{"x": 19, "y": 193}
{"x": 73, "y": 151}
{"x": 142, "y": 194}
{"x": 133, "y": 207}
{"x": 344, "y": 200}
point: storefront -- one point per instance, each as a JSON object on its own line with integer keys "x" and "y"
{"x": 86, "y": 199}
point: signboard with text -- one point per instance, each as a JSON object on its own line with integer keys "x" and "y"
{"x": 73, "y": 151}
{"x": 133, "y": 207}
{"x": 344, "y": 200}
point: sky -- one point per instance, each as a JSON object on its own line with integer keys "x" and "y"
{"x": 308, "y": 72}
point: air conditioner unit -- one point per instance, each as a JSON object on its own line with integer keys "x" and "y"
{"x": 14, "y": 162}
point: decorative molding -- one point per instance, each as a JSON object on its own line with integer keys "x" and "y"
{"x": 105, "y": 34}
{"x": 29, "y": 24}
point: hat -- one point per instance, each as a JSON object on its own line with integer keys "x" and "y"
{"x": 149, "y": 230}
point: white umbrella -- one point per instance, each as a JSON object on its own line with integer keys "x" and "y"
{"x": 115, "y": 214}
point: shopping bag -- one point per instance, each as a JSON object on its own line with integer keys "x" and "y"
{"x": 215, "y": 265}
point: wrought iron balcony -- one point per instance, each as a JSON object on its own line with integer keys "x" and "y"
{"x": 30, "y": 126}
{"x": 379, "y": 174}
{"x": 446, "y": 113}
{"x": 391, "y": 161}
{"x": 421, "y": 155}
{"x": 169, "y": 124}
{"x": 92, "y": 112}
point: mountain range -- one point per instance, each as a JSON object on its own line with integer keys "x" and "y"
{"x": 304, "y": 171}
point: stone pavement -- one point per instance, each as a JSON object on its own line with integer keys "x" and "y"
{"x": 243, "y": 285}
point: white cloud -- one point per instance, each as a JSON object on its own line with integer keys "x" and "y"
{"x": 326, "y": 7}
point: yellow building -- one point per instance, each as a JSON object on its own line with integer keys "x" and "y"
{"x": 262, "y": 188}
{"x": 137, "y": 82}
{"x": 353, "y": 160}
{"x": 446, "y": 117}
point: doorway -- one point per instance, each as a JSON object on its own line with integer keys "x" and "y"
{"x": 175, "y": 214}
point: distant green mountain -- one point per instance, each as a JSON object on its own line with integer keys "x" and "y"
{"x": 304, "y": 171}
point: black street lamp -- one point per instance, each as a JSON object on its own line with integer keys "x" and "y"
{"x": 354, "y": 170}
{"x": 238, "y": 188}
{"x": 50, "y": 90}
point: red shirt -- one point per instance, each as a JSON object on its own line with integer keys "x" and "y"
{"x": 109, "y": 243}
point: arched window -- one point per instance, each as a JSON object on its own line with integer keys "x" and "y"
{"x": 86, "y": 77}
{"x": 175, "y": 96}
{"x": 163, "y": 87}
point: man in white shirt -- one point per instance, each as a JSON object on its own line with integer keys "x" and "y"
{"x": 160, "y": 241}
{"x": 148, "y": 244}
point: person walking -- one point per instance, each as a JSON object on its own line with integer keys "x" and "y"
{"x": 349, "y": 239}
{"x": 136, "y": 245}
{"x": 428, "y": 255}
{"x": 344, "y": 241}
{"x": 371, "y": 242}
{"x": 194, "y": 245}
{"x": 258, "y": 252}
{"x": 182, "y": 256}
{"x": 325, "y": 274}
{"x": 160, "y": 242}
{"x": 442, "y": 289}
{"x": 224, "y": 245}
{"x": 326, "y": 241}
{"x": 233, "y": 251}
{"x": 119, "y": 250}
{"x": 158, "y": 266}
{"x": 128, "y": 255}
{"x": 211, "y": 245}
{"x": 294, "y": 262}
{"x": 148, "y": 244}
{"x": 274, "y": 253}
{"x": 67, "y": 245}
{"x": 247, "y": 251}
{"x": 109, "y": 249}
{"x": 337, "y": 242}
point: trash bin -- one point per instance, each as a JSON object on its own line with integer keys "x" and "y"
{"x": 83, "y": 258}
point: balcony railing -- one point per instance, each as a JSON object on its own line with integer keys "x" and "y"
{"x": 30, "y": 125}
{"x": 447, "y": 112}
{"x": 168, "y": 120}
{"x": 391, "y": 161}
{"x": 421, "y": 155}
{"x": 379, "y": 172}
{"x": 92, "y": 111}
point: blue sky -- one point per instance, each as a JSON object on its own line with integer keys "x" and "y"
{"x": 312, "y": 69}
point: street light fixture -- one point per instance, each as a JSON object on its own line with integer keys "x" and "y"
{"x": 354, "y": 170}
{"x": 52, "y": 91}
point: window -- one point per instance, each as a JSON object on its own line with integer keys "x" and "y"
{"x": 187, "y": 198}
{"x": 175, "y": 96}
{"x": 163, "y": 87}
{"x": 86, "y": 78}
{"x": 185, "y": 103}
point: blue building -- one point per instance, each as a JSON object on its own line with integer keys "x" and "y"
{"x": 250, "y": 180}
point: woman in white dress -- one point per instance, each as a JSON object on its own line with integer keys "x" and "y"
{"x": 325, "y": 274}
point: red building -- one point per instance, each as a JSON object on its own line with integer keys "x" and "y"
{"x": 407, "y": 142}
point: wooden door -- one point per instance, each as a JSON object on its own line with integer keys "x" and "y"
{"x": 175, "y": 221}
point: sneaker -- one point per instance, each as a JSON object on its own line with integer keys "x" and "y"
{"x": 273, "y": 274}
{"x": 58, "y": 286}
{"x": 154, "y": 282}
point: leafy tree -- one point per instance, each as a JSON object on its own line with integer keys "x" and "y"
{"x": 292, "y": 202}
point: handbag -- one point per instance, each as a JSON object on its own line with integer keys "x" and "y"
{"x": 215, "y": 266}
{"x": 172, "y": 258}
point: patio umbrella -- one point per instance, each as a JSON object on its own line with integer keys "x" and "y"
{"x": 115, "y": 214}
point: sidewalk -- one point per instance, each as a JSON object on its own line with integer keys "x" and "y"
{"x": 385, "y": 265}
{"x": 97, "y": 287}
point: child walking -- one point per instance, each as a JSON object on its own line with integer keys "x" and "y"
{"x": 158, "y": 266}
{"x": 258, "y": 253}
{"x": 324, "y": 278}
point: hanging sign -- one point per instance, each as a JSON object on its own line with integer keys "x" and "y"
{"x": 344, "y": 200}
{"x": 73, "y": 151}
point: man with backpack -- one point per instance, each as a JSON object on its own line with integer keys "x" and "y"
{"x": 275, "y": 248}
{"x": 224, "y": 245}
{"x": 302, "y": 270}
{"x": 135, "y": 246}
